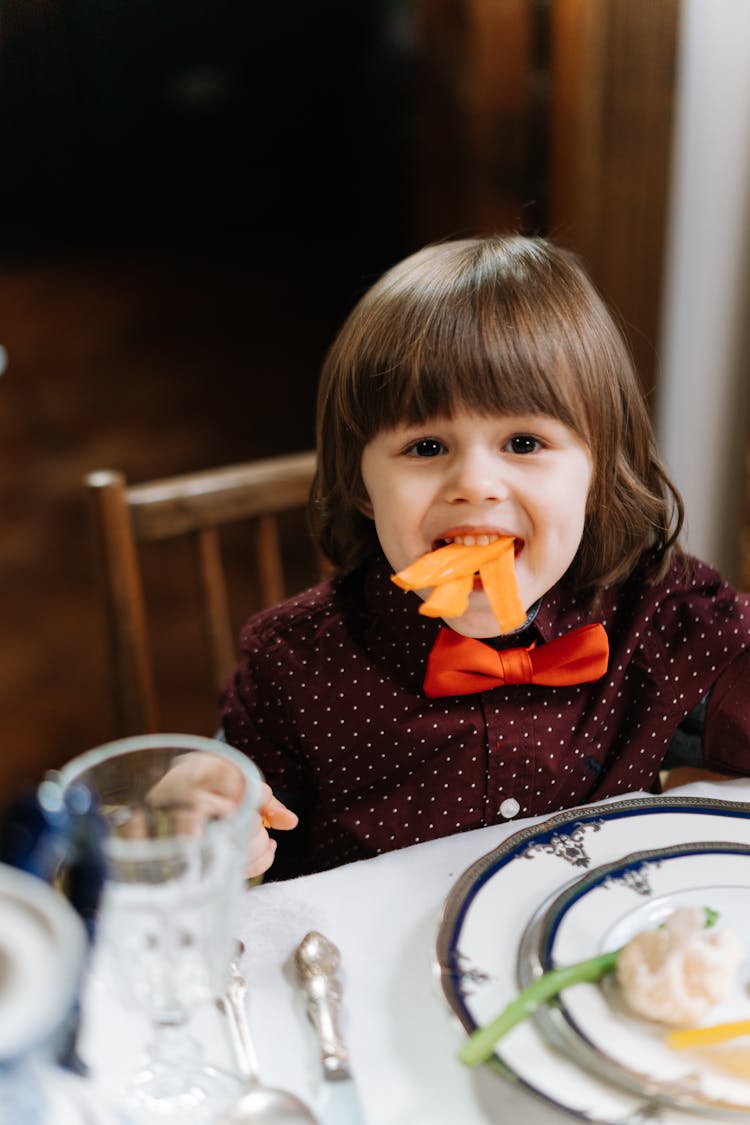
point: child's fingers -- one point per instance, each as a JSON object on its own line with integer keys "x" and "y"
{"x": 260, "y": 853}
{"x": 258, "y": 865}
{"x": 274, "y": 813}
{"x": 261, "y": 848}
{"x": 206, "y": 788}
{"x": 198, "y": 772}
{"x": 202, "y": 807}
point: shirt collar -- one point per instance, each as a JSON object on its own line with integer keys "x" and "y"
{"x": 560, "y": 611}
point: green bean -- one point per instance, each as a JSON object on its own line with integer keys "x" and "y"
{"x": 480, "y": 1044}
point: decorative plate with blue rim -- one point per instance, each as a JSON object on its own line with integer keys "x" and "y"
{"x": 487, "y": 915}
{"x": 591, "y": 1022}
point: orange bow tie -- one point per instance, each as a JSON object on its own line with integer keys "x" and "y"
{"x": 461, "y": 665}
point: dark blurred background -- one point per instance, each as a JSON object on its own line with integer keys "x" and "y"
{"x": 195, "y": 192}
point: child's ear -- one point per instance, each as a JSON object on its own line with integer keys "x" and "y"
{"x": 592, "y": 500}
{"x": 364, "y": 505}
{"x": 361, "y": 500}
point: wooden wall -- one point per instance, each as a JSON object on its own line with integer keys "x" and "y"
{"x": 613, "y": 80}
{"x": 745, "y": 531}
{"x": 480, "y": 142}
{"x": 554, "y": 116}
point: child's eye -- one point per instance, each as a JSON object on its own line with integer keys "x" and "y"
{"x": 523, "y": 443}
{"x": 426, "y": 447}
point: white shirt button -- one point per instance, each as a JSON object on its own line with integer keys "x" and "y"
{"x": 509, "y": 808}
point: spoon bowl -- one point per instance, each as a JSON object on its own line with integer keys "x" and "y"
{"x": 265, "y": 1105}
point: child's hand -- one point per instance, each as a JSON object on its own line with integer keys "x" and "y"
{"x": 262, "y": 848}
{"x": 213, "y": 786}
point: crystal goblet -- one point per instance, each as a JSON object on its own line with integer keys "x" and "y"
{"x": 178, "y": 811}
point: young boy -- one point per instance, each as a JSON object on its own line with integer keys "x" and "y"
{"x": 481, "y": 389}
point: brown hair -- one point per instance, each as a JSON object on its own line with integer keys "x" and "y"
{"x": 508, "y": 325}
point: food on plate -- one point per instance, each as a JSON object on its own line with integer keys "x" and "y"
{"x": 676, "y": 972}
{"x": 707, "y": 1036}
{"x": 480, "y": 1044}
{"x": 721, "y": 1047}
{"x": 668, "y": 970}
{"x": 449, "y": 571}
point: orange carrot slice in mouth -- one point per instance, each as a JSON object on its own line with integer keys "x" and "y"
{"x": 449, "y": 599}
{"x": 448, "y": 562}
{"x": 499, "y": 582}
{"x": 450, "y": 571}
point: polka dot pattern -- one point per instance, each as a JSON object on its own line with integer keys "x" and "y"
{"x": 327, "y": 700}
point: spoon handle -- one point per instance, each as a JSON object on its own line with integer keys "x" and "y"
{"x": 233, "y": 1002}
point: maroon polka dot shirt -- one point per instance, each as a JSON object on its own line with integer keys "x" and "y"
{"x": 327, "y": 700}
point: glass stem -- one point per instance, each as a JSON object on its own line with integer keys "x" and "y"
{"x": 171, "y": 1043}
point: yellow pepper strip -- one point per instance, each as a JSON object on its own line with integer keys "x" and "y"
{"x": 703, "y": 1036}
{"x": 449, "y": 599}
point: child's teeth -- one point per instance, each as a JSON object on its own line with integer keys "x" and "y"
{"x": 474, "y": 540}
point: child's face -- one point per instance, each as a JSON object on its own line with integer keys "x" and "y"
{"x": 527, "y": 477}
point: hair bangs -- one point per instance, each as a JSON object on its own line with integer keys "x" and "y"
{"x": 477, "y": 354}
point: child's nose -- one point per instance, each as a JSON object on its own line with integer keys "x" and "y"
{"x": 477, "y": 478}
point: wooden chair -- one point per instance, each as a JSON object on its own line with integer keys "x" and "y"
{"x": 683, "y": 775}
{"x": 195, "y": 505}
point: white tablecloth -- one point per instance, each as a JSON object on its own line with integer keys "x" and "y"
{"x": 384, "y": 915}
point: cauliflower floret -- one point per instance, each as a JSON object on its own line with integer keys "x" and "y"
{"x": 674, "y": 974}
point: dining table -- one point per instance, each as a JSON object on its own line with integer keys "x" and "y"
{"x": 384, "y": 915}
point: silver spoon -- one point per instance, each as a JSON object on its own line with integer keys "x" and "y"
{"x": 317, "y": 961}
{"x": 260, "y": 1105}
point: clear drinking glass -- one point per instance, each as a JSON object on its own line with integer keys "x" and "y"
{"x": 175, "y": 874}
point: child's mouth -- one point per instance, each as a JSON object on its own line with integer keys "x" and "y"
{"x": 459, "y": 563}
{"x": 478, "y": 539}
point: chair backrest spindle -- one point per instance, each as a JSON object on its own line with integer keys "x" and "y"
{"x": 268, "y": 556}
{"x": 217, "y": 617}
{"x": 195, "y": 505}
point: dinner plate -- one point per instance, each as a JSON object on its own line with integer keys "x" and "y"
{"x": 486, "y": 915}
{"x": 604, "y": 909}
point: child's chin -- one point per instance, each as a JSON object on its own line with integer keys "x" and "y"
{"x": 477, "y": 622}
